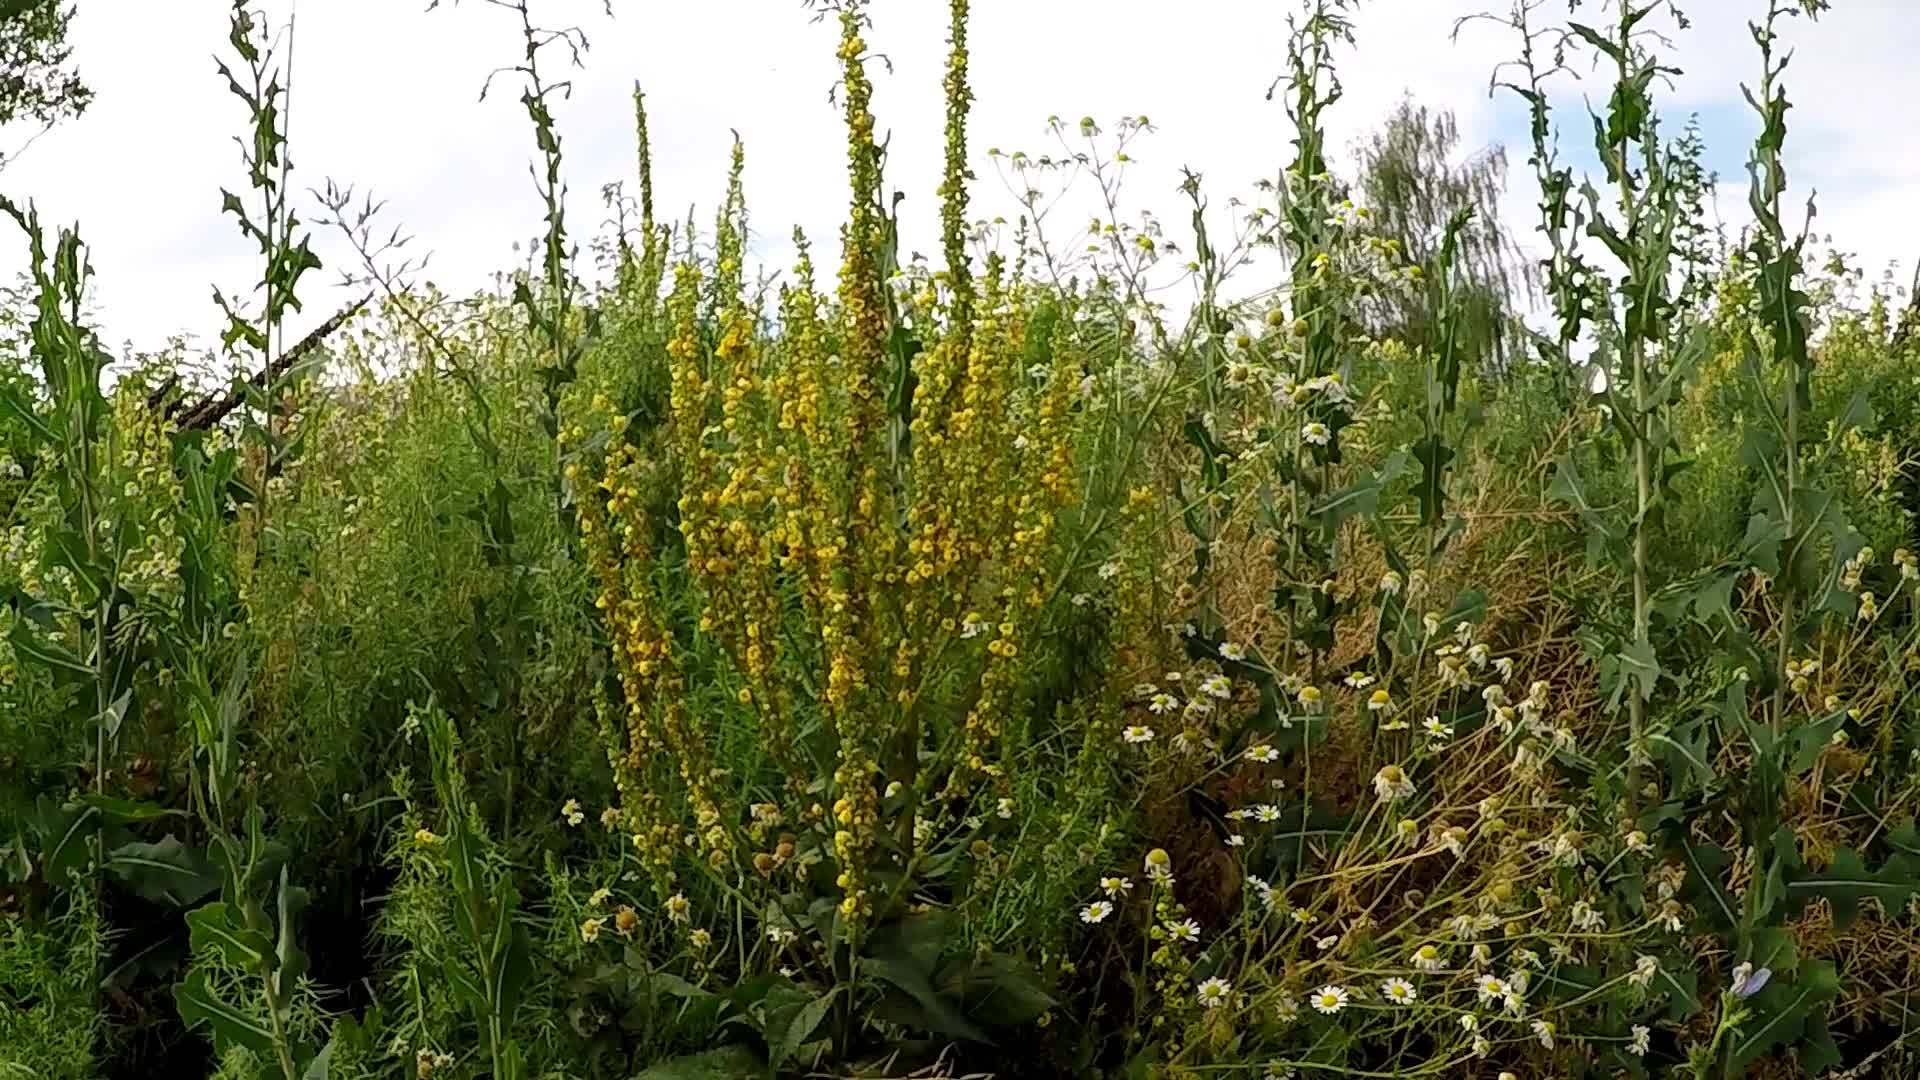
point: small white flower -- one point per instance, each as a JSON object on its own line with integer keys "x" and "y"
{"x": 1213, "y": 993}
{"x": 1644, "y": 969}
{"x": 1109, "y": 571}
{"x": 1218, "y": 686}
{"x": 1330, "y": 999}
{"x": 1316, "y": 433}
{"x": 1642, "y": 1039}
{"x": 1391, "y": 583}
{"x": 1116, "y": 886}
{"x": 1398, "y": 991}
{"x": 1185, "y": 930}
{"x": 1162, "y": 704}
{"x": 1236, "y": 840}
{"x": 1492, "y": 988}
{"x": 571, "y": 813}
{"x": 1137, "y": 733}
{"x": 1429, "y": 958}
{"x": 1263, "y": 753}
{"x": 1392, "y": 783}
{"x": 1096, "y": 912}
{"x": 1233, "y": 651}
{"x": 1543, "y": 1031}
{"x": 1436, "y": 730}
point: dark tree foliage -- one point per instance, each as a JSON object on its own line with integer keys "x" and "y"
{"x": 37, "y": 82}
{"x": 1412, "y": 184}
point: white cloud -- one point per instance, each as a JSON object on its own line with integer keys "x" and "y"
{"x": 385, "y": 98}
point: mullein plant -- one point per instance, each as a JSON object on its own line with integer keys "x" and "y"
{"x": 867, "y": 542}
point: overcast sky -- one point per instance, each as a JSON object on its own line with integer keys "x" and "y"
{"x": 385, "y": 97}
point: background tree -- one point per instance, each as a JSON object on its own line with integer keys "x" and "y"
{"x": 1413, "y": 180}
{"x": 37, "y": 80}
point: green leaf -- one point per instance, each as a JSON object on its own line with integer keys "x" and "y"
{"x": 212, "y": 928}
{"x": 799, "y": 1031}
{"x": 1781, "y": 1012}
{"x": 1847, "y": 881}
{"x": 231, "y": 1026}
{"x": 166, "y": 872}
{"x": 735, "y": 1062}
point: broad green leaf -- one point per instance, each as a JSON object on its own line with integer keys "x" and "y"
{"x": 1781, "y": 1012}
{"x": 799, "y": 1031}
{"x": 230, "y": 1024}
{"x": 166, "y": 871}
{"x": 1847, "y": 881}
{"x": 212, "y": 928}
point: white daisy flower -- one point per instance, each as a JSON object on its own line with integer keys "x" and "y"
{"x": 1392, "y": 783}
{"x": 1398, "y": 991}
{"x": 1213, "y": 993}
{"x": 1330, "y": 999}
{"x": 1096, "y": 912}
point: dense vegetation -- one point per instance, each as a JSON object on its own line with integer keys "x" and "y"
{"x": 1419, "y": 660}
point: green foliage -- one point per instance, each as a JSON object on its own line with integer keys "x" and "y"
{"x": 974, "y": 669}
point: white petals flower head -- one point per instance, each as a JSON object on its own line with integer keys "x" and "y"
{"x": 1644, "y": 969}
{"x": 1543, "y": 1031}
{"x": 1392, "y": 783}
{"x": 1096, "y": 912}
{"x": 1429, "y": 958}
{"x": 1398, "y": 991}
{"x": 1359, "y": 680}
{"x": 1137, "y": 733}
{"x": 1504, "y": 665}
{"x": 1436, "y": 730}
{"x": 1316, "y": 433}
{"x": 1391, "y": 583}
{"x": 1116, "y": 886}
{"x": 1233, "y": 651}
{"x": 1263, "y": 753}
{"x": 1309, "y": 697}
{"x": 1158, "y": 865}
{"x": 1492, "y": 988}
{"x": 1218, "y": 686}
{"x": 571, "y": 813}
{"x": 678, "y": 908}
{"x": 1213, "y": 993}
{"x": 600, "y": 896}
{"x": 1184, "y": 930}
{"x": 590, "y": 930}
{"x": 1330, "y": 999}
{"x": 1641, "y": 1041}
{"x": 1161, "y": 704}
{"x": 1380, "y": 701}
